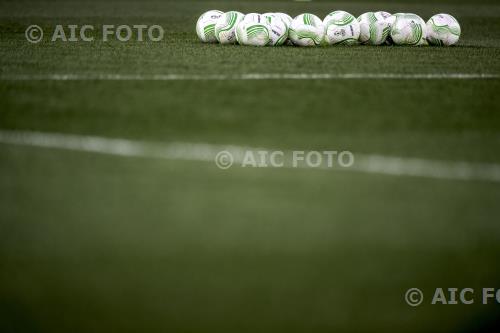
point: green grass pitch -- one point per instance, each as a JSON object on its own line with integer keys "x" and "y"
{"x": 97, "y": 243}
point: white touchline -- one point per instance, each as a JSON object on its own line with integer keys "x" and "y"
{"x": 374, "y": 164}
{"x": 247, "y": 76}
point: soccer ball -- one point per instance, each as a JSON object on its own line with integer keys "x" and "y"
{"x": 443, "y": 29}
{"x": 374, "y": 28}
{"x": 278, "y": 30}
{"x": 341, "y": 28}
{"x": 288, "y": 21}
{"x": 385, "y": 15}
{"x": 254, "y": 17}
{"x": 225, "y": 28}
{"x": 307, "y": 30}
{"x": 390, "y": 19}
{"x": 409, "y": 29}
{"x": 267, "y": 15}
{"x": 205, "y": 27}
{"x": 253, "y": 30}
{"x": 286, "y": 18}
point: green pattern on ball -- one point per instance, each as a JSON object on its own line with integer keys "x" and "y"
{"x": 209, "y": 31}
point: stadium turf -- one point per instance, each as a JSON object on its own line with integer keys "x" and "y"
{"x": 96, "y": 243}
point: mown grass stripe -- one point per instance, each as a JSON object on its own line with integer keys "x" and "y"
{"x": 203, "y": 152}
{"x": 249, "y": 76}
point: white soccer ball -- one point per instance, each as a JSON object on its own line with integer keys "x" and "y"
{"x": 374, "y": 27}
{"x": 286, "y": 18}
{"x": 278, "y": 31}
{"x": 288, "y": 21}
{"x": 307, "y": 30}
{"x": 384, "y": 14}
{"x": 341, "y": 28}
{"x": 390, "y": 19}
{"x": 443, "y": 29}
{"x": 409, "y": 29}
{"x": 268, "y": 14}
{"x": 205, "y": 27}
{"x": 225, "y": 28}
{"x": 253, "y": 30}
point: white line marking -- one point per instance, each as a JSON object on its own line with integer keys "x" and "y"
{"x": 248, "y": 76}
{"x": 373, "y": 164}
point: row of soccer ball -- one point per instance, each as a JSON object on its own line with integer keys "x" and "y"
{"x": 338, "y": 28}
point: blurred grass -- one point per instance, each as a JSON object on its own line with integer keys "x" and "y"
{"x": 96, "y": 245}
{"x": 456, "y": 121}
